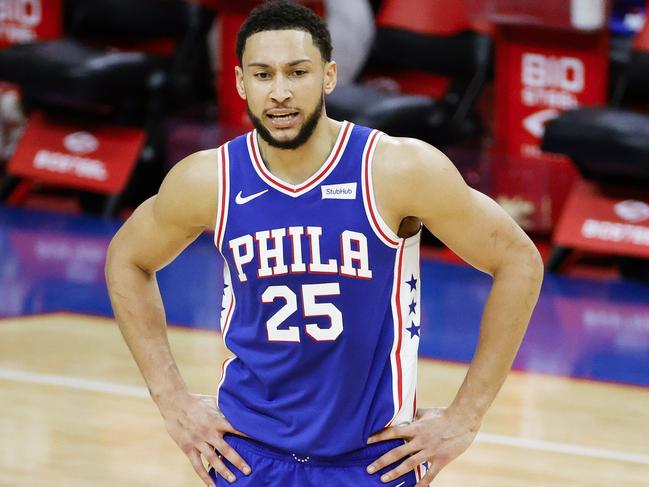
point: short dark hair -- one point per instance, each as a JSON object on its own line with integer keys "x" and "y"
{"x": 285, "y": 15}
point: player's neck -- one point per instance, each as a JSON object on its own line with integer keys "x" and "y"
{"x": 296, "y": 165}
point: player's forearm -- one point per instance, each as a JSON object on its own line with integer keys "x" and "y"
{"x": 513, "y": 295}
{"x": 139, "y": 311}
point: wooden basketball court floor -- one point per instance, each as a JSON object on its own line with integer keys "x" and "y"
{"x": 74, "y": 410}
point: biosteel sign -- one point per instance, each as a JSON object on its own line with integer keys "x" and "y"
{"x": 84, "y": 156}
{"x": 27, "y": 20}
{"x": 551, "y": 83}
{"x": 540, "y": 80}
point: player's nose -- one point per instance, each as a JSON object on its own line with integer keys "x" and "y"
{"x": 280, "y": 91}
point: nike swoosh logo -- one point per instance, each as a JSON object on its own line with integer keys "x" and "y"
{"x": 400, "y": 484}
{"x": 242, "y": 200}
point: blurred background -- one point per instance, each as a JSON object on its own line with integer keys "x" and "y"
{"x": 544, "y": 106}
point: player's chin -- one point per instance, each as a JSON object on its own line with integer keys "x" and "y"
{"x": 284, "y": 135}
{"x": 283, "y": 141}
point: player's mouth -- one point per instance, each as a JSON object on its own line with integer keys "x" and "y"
{"x": 282, "y": 119}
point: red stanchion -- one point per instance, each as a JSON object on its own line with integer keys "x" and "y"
{"x": 550, "y": 56}
{"x": 28, "y": 20}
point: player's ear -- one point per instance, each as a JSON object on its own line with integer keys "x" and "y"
{"x": 238, "y": 72}
{"x": 330, "y": 76}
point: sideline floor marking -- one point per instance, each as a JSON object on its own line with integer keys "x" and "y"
{"x": 554, "y": 447}
{"x": 72, "y": 383}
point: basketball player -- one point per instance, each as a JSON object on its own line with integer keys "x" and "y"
{"x": 318, "y": 221}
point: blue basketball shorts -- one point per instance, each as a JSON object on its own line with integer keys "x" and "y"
{"x": 272, "y": 467}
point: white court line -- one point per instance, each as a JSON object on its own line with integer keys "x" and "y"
{"x": 550, "y": 446}
{"x": 111, "y": 388}
{"x": 72, "y": 383}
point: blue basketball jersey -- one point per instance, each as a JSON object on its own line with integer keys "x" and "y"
{"x": 321, "y": 301}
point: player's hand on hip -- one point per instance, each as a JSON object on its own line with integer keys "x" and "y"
{"x": 197, "y": 426}
{"x": 436, "y": 435}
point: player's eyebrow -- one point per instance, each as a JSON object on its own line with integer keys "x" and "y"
{"x": 259, "y": 64}
{"x": 299, "y": 61}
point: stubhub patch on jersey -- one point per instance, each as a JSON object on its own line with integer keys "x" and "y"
{"x": 345, "y": 191}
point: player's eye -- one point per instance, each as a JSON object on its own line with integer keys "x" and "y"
{"x": 299, "y": 72}
{"x": 262, "y": 75}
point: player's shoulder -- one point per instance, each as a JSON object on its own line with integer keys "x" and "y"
{"x": 411, "y": 176}
{"x": 196, "y": 166}
{"x": 190, "y": 189}
{"x": 404, "y": 160}
{"x": 194, "y": 177}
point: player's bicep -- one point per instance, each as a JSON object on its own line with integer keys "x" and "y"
{"x": 477, "y": 229}
{"x": 149, "y": 239}
{"x": 161, "y": 227}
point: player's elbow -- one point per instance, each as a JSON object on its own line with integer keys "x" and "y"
{"x": 522, "y": 259}
{"x": 112, "y": 259}
{"x": 536, "y": 262}
{"x": 119, "y": 261}
{"x": 529, "y": 261}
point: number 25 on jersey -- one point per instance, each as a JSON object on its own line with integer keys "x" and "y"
{"x": 311, "y": 308}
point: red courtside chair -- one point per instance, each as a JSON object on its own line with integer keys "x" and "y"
{"x": 435, "y": 37}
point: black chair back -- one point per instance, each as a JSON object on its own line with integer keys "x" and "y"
{"x": 127, "y": 18}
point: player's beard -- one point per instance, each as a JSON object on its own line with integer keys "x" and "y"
{"x": 303, "y": 135}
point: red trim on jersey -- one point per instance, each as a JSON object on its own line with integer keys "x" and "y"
{"x": 400, "y": 319}
{"x": 320, "y": 173}
{"x": 222, "y": 177}
{"x": 369, "y": 194}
